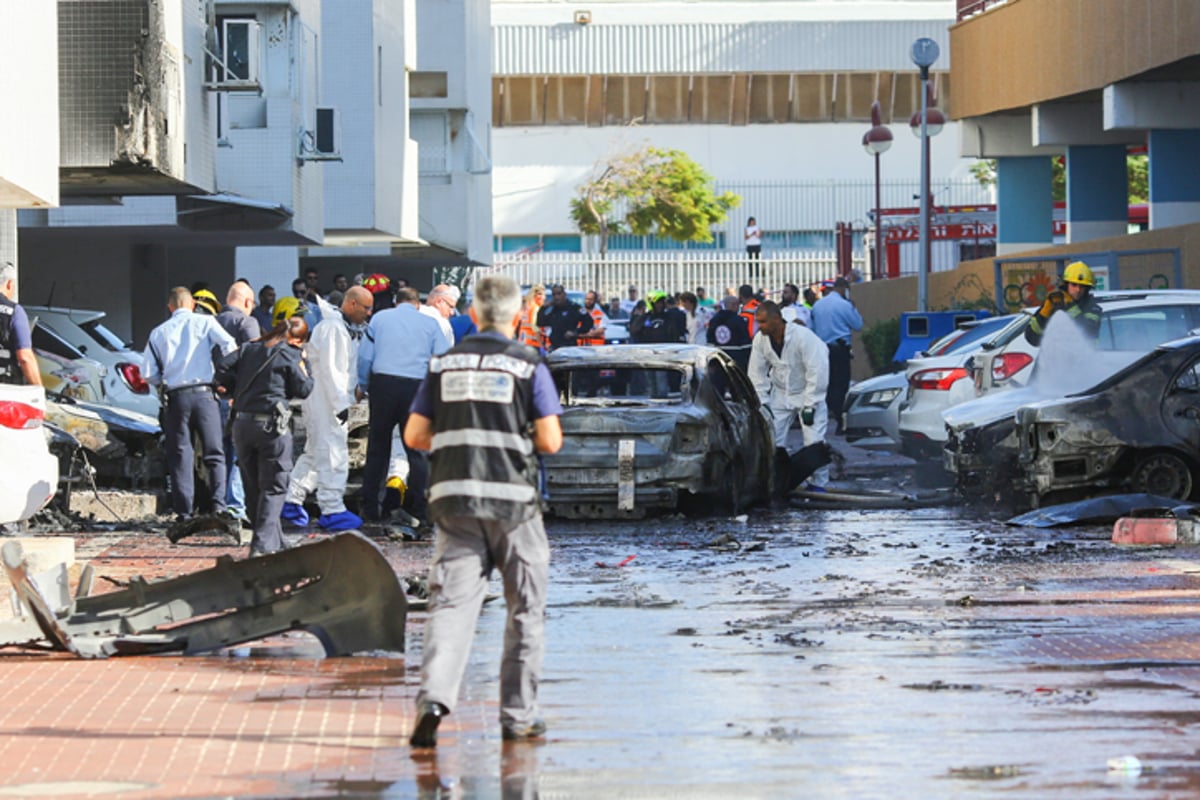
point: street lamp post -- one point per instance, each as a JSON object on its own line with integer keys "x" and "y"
{"x": 924, "y": 54}
{"x": 876, "y": 142}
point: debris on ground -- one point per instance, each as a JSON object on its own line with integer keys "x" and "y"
{"x": 314, "y": 587}
{"x": 1094, "y": 510}
{"x": 623, "y": 562}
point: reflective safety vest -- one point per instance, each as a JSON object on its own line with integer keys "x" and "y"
{"x": 598, "y": 320}
{"x": 529, "y": 333}
{"x": 747, "y": 313}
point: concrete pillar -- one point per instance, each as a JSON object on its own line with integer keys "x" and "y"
{"x": 1025, "y": 206}
{"x": 1174, "y": 177}
{"x": 1097, "y": 192}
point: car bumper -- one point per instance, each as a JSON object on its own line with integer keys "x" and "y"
{"x": 1063, "y": 468}
{"x": 27, "y": 483}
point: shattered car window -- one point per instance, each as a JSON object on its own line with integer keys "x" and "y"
{"x": 1189, "y": 379}
{"x": 620, "y": 386}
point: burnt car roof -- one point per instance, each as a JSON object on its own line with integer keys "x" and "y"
{"x": 634, "y": 355}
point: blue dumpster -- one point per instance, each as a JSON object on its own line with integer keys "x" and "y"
{"x": 918, "y": 329}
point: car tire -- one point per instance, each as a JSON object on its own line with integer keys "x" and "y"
{"x": 1163, "y": 473}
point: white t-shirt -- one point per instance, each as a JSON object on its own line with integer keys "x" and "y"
{"x": 753, "y": 235}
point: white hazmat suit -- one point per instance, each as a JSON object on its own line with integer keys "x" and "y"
{"x": 325, "y": 464}
{"x": 791, "y": 381}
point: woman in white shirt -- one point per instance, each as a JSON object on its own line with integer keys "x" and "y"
{"x": 753, "y": 238}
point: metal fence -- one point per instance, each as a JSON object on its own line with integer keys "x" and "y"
{"x": 669, "y": 271}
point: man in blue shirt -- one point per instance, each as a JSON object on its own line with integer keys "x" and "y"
{"x": 16, "y": 339}
{"x": 834, "y": 319}
{"x": 393, "y": 358}
{"x": 179, "y": 358}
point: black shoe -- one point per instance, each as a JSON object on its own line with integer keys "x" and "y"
{"x": 533, "y": 730}
{"x": 429, "y": 716}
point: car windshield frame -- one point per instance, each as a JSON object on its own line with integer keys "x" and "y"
{"x": 973, "y": 342}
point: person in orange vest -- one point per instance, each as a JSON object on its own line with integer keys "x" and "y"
{"x": 529, "y": 333}
{"x": 595, "y": 336}
{"x": 749, "y": 304}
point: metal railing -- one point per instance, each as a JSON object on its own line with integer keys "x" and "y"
{"x": 670, "y": 271}
{"x": 969, "y": 8}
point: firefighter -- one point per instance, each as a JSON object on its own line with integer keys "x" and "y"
{"x": 1073, "y": 296}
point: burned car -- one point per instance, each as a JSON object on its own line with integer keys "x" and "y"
{"x": 651, "y": 428}
{"x": 1139, "y": 430}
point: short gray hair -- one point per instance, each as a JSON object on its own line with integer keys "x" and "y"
{"x": 497, "y": 301}
{"x": 8, "y": 272}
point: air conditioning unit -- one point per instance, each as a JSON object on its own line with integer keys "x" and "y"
{"x": 324, "y": 141}
{"x": 238, "y": 66}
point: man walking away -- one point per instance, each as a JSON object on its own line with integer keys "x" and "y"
{"x": 485, "y": 410}
{"x": 179, "y": 357}
{"x": 17, "y": 360}
{"x": 324, "y": 465}
{"x": 393, "y": 358}
{"x": 727, "y": 330}
{"x": 834, "y": 319}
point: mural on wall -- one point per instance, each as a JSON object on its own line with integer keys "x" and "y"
{"x": 971, "y": 293}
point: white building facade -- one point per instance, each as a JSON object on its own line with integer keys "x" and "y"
{"x": 771, "y": 99}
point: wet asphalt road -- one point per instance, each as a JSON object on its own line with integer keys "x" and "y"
{"x": 931, "y": 653}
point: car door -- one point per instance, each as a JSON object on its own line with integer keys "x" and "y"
{"x": 1181, "y": 404}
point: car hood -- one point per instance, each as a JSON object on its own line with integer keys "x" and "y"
{"x": 628, "y": 421}
{"x": 893, "y": 380}
{"x": 1045, "y": 384}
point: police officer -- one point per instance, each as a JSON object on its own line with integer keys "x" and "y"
{"x": 261, "y": 378}
{"x": 16, "y": 343}
{"x": 835, "y": 319}
{"x": 566, "y": 321}
{"x": 1074, "y": 296}
{"x": 484, "y": 410}
{"x": 179, "y": 357}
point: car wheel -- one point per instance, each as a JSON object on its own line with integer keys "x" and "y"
{"x": 1163, "y": 474}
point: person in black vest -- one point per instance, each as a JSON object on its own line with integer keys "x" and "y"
{"x": 485, "y": 410}
{"x": 661, "y": 324}
{"x": 567, "y": 321}
{"x": 17, "y": 360}
{"x": 262, "y": 377}
{"x": 727, "y": 330}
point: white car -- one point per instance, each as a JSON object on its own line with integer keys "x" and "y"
{"x": 938, "y": 383}
{"x": 873, "y": 405}
{"x": 1130, "y": 321}
{"x": 121, "y": 379}
{"x": 28, "y": 473}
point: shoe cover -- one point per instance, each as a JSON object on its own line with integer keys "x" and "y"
{"x": 295, "y": 514}
{"x": 341, "y": 521}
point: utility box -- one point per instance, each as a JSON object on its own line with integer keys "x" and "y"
{"x": 919, "y": 329}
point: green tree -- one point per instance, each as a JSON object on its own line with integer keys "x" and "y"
{"x": 651, "y": 190}
{"x": 1136, "y": 167}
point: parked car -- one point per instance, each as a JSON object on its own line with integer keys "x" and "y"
{"x": 28, "y": 472}
{"x": 1132, "y": 321}
{"x": 648, "y": 428}
{"x": 123, "y": 447}
{"x": 119, "y": 382}
{"x": 941, "y": 382}
{"x": 982, "y": 447}
{"x": 1139, "y": 430}
{"x": 873, "y": 405}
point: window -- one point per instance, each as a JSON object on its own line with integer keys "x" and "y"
{"x": 431, "y": 132}
{"x": 1142, "y": 329}
{"x": 48, "y": 339}
{"x": 626, "y": 386}
{"x": 1189, "y": 379}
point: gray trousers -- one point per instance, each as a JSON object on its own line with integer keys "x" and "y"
{"x": 187, "y": 410}
{"x": 265, "y": 459}
{"x": 467, "y": 549}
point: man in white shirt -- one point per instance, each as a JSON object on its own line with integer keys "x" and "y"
{"x": 789, "y": 368}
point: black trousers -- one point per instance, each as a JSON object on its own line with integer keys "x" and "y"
{"x": 389, "y": 401}
{"x": 839, "y": 381}
{"x": 265, "y": 459}
{"x": 193, "y": 410}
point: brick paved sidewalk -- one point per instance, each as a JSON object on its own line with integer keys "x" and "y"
{"x": 273, "y": 719}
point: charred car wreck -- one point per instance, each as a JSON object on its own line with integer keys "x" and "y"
{"x": 651, "y": 428}
{"x": 1139, "y": 430}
